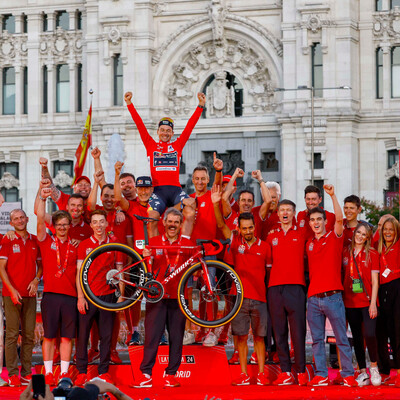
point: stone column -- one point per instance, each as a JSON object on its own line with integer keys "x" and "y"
{"x": 72, "y": 90}
{"x": 386, "y": 76}
{"x": 19, "y": 86}
{"x": 72, "y": 19}
{"x": 51, "y": 22}
{"x": 18, "y": 24}
{"x": 51, "y": 94}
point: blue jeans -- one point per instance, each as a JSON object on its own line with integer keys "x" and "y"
{"x": 318, "y": 310}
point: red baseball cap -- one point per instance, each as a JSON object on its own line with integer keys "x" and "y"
{"x": 83, "y": 177}
{"x": 227, "y": 178}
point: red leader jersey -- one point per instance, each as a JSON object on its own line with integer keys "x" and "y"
{"x": 137, "y": 225}
{"x": 303, "y": 221}
{"x": 205, "y": 225}
{"x": 250, "y": 262}
{"x": 286, "y": 256}
{"x": 366, "y": 268}
{"x": 164, "y": 158}
{"x": 59, "y": 266}
{"x": 100, "y": 266}
{"x": 80, "y": 231}
{"x": 233, "y": 218}
{"x": 21, "y": 268}
{"x": 390, "y": 259}
{"x": 325, "y": 263}
{"x": 172, "y": 258}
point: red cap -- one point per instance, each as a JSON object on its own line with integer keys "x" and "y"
{"x": 83, "y": 177}
{"x": 227, "y": 178}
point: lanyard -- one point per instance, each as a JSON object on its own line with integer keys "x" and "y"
{"x": 110, "y": 232}
{"x": 173, "y": 266}
{"x": 61, "y": 270}
{"x": 352, "y": 264}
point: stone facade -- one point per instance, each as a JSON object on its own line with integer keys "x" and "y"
{"x": 172, "y": 49}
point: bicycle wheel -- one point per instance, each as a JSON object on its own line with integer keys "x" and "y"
{"x": 210, "y": 309}
{"x": 100, "y": 276}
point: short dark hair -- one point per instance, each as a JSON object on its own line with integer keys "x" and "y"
{"x": 312, "y": 189}
{"x": 126, "y": 175}
{"x": 245, "y": 217}
{"x": 107, "y": 186}
{"x": 98, "y": 212}
{"x": 201, "y": 168}
{"x": 286, "y": 202}
{"x": 76, "y": 196}
{"x": 60, "y": 214}
{"x": 318, "y": 210}
{"x": 245, "y": 191}
{"x": 353, "y": 199}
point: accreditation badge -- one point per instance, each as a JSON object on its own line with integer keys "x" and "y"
{"x": 275, "y": 242}
{"x": 310, "y": 247}
{"x": 241, "y": 249}
{"x": 16, "y": 248}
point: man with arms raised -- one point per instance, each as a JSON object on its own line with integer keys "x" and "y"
{"x": 164, "y": 158}
{"x": 165, "y": 312}
{"x": 58, "y": 304}
{"x": 20, "y": 271}
{"x": 324, "y": 252}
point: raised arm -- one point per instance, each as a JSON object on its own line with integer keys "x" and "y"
{"x": 184, "y": 137}
{"x": 329, "y": 189}
{"x": 96, "y": 153}
{"x": 44, "y": 183}
{"x": 264, "y": 193}
{"x": 218, "y": 166}
{"x": 119, "y": 199}
{"x": 216, "y": 194}
{"x": 41, "y": 213}
{"x": 229, "y": 189}
{"x": 144, "y": 135}
{"x": 92, "y": 199}
{"x": 55, "y": 193}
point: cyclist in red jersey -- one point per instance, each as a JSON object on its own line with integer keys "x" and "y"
{"x": 164, "y": 158}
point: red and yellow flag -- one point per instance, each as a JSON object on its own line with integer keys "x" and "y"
{"x": 82, "y": 150}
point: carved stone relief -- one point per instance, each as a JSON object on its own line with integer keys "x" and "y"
{"x": 12, "y": 47}
{"x": 387, "y": 25}
{"x": 220, "y": 99}
{"x": 62, "y": 179}
{"x": 8, "y": 181}
{"x": 61, "y": 45}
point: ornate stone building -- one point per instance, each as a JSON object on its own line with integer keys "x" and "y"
{"x": 238, "y": 52}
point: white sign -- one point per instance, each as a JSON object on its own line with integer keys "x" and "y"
{"x": 5, "y": 210}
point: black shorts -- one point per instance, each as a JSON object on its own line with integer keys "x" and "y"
{"x": 166, "y": 196}
{"x": 59, "y": 312}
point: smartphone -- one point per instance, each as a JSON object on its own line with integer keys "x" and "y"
{"x": 38, "y": 385}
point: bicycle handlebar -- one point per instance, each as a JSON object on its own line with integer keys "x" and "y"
{"x": 147, "y": 219}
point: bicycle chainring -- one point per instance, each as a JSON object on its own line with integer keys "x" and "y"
{"x": 153, "y": 292}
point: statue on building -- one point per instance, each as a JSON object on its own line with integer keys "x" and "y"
{"x": 221, "y": 99}
{"x": 217, "y": 14}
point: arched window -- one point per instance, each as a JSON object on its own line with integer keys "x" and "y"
{"x": 224, "y": 95}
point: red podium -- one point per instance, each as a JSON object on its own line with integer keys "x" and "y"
{"x": 199, "y": 365}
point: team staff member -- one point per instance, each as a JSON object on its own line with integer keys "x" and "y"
{"x": 361, "y": 281}
{"x": 144, "y": 189}
{"x": 313, "y": 199}
{"x": 20, "y": 271}
{"x": 87, "y": 311}
{"x": 286, "y": 296}
{"x": 272, "y": 219}
{"x": 388, "y": 324}
{"x": 250, "y": 260}
{"x": 352, "y": 209}
{"x": 58, "y": 304}
{"x": 164, "y": 158}
{"x": 325, "y": 300}
{"x": 165, "y": 312}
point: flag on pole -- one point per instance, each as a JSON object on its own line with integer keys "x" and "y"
{"x": 82, "y": 150}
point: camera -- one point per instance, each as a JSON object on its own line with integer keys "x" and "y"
{"x": 63, "y": 388}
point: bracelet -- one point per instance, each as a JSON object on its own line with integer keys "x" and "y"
{"x": 37, "y": 278}
{"x": 42, "y": 198}
{"x": 202, "y": 107}
{"x": 260, "y": 181}
{"x": 218, "y": 170}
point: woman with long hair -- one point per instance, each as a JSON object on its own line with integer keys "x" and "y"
{"x": 388, "y": 323}
{"x": 361, "y": 282}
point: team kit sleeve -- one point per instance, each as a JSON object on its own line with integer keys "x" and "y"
{"x": 144, "y": 134}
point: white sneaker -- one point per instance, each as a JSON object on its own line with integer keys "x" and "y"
{"x": 3, "y": 382}
{"x": 188, "y": 338}
{"x": 363, "y": 379}
{"x": 376, "y": 378}
{"x": 210, "y": 340}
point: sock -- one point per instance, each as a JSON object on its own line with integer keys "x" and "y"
{"x": 48, "y": 366}
{"x": 64, "y": 366}
{"x": 135, "y": 329}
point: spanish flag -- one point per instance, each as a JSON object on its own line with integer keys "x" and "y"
{"x": 82, "y": 150}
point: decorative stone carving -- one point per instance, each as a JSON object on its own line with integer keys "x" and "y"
{"x": 393, "y": 171}
{"x": 220, "y": 99}
{"x": 8, "y": 181}
{"x": 114, "y": 35}
{"x": 62, "y": 179}
{"x": 12, "y": 47}
{"x": 249, "y": 68}
{"x": 159, "y": 7}
{"x": 217, "y": 15}
{"x": 387, "y": 25}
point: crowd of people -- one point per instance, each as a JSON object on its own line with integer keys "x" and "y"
{"x": 295, "y": 268}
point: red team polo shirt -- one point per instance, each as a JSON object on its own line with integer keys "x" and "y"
{"x": 160, "y": 261}
{"x": 325, "y": 263}
{"x": 250, "y": 264}
{"x": 303, "y": 221}
{"x": 232, "y": 220}
{"x": 100, "y": 266}
{"x": 21, "y": 259}
{"x": 286, "y": 256}
{"x": 80, "y": 231}
{"x": 66, "y": 283}
{"x": 390, "y": 259}
{"x": 164, "y": 158}
{"x": 366, "y": 268}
